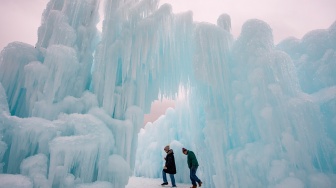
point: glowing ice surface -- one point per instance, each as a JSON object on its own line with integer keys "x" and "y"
{"x": 254, "y": 113}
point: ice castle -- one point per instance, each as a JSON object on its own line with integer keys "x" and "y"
{"x": 256, "y": 114}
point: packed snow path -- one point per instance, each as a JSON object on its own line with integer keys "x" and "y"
{"x": 140, "y": 182}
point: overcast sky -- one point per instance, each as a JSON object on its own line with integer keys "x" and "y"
{"x": 286, "y": 17}
{"x": 19, "y": 19}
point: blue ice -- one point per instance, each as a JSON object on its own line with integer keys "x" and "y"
{"x": 256, "y": 114}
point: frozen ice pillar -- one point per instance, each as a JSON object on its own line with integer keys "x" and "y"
{"x": 71, "y": 108}
{"x": 64, "y": 139}
{"x": 247, "y": 116}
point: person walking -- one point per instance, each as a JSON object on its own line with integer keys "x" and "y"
{"x": 193, "y": 165}
{"x": 169, "y": 167}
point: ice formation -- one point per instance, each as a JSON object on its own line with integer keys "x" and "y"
{"x": 255, "y": 114}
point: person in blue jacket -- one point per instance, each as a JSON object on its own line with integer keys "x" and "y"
{"x": 193, "y": 165}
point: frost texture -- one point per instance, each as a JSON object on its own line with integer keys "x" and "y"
{"x": 254, "y": 113}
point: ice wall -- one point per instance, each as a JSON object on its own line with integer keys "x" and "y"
{"x": 140, "y": 47}
{"x": 254, "y": 113}
{"x": 52, "y": 129}
{"x": 256, "y": 124}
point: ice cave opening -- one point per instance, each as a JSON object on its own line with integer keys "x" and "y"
{"x": 256, "y": 114}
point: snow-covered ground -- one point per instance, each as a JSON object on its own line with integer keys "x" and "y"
{"x": 139, "y": 182}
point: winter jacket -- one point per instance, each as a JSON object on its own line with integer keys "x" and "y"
{"x": 170, "y": 163}
{"x": 192, "y": 161}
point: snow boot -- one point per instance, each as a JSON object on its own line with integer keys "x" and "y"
{"x": 200, "y": 184}
{"x": 164, "y": 184}
{"x": 194, "y": 186}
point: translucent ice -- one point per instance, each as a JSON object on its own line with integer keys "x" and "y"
{"x": 254, "y": 113}
{"x": 15, "y": 181}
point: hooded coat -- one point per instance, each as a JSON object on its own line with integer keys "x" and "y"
{"x": 170, "y": 163}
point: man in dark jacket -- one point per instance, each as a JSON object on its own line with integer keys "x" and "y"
{"x": 169, "y": 167}
{"x": 193, "y": 165}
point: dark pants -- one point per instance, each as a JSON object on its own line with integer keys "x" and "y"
{"x": 193, "y": 176}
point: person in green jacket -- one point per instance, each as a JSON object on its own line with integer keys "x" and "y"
{"x": 193, "y": 165}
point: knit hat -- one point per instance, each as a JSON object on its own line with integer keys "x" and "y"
{"x": 167, "y": 147}
{"x": 183, "y": 150}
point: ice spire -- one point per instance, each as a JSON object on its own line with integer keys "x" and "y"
{"x": 253, "y": 116}
{"x": 249, "y": 112}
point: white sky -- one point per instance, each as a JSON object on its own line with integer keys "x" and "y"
{"x": 19, "y": 19}
{"x": 286, "y": 17}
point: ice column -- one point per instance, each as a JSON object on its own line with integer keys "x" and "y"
{"x": 67, "y": 39}
{"x": 14, "y": 58}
